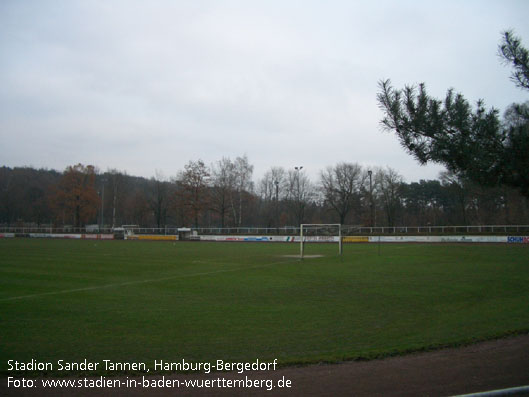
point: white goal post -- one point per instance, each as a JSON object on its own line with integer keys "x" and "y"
{"x": 306, "y": 227}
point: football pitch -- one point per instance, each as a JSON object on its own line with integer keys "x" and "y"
{"x": 143, "y": 301}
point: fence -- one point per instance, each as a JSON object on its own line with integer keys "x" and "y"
{"x": 347, "y": 230}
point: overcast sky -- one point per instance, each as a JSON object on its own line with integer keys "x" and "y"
{"x": 149, "y": 85}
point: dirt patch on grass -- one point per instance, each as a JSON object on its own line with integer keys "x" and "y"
{"x": 304, "y": 256}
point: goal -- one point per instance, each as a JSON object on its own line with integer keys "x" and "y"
{"x": 320, "y": 232}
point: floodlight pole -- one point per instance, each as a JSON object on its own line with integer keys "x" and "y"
{"x": 298, "y": 170}
{"x": 103, "y": 180}
{"x": 276, "y": 182}
{"x": 298, "y": 196}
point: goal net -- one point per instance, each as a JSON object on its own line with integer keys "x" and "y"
{"x": 320, "y": 233}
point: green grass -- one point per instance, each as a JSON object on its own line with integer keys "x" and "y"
{"x": 141, "y": 301}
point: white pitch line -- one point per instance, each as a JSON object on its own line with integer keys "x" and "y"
{"x": 67, "y": 291}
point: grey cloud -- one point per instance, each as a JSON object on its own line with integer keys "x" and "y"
{"x": 143, "y": 86}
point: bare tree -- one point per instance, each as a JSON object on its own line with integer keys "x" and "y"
{"x": 243, "y": 171}
{"x": 194, "y": 181}
{"x": 158, "y": 198}
{"x": 117, "y": 186}
{"x": 139, "y": 209}
{"x": 300, "y": 193}
{"x": 222, "y": 187}
{"x": 341, "y": 186}
{"x": 273, "y": 184}
{"x": 388, "y": 183}
{"x": 271, "y": 187}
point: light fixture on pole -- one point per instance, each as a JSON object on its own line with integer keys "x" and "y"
{"x": 299, "y": 209}
{"x": 298, "y": 169}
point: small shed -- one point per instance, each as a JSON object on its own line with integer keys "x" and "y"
{"x": 184, "y": 233}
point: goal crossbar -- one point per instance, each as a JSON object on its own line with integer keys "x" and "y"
{"x": 319, "y": 225}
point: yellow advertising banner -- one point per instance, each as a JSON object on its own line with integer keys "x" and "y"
{"x": 355, "y": 239}
{"x": 154, "y": 237}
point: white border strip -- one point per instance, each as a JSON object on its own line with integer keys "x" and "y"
{"x": 502, "y": 392}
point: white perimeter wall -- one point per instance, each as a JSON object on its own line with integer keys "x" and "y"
{"x": 376, "y": 239}
{"x": 61, "y": 235}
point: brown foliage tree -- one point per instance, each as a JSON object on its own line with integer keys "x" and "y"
{"x": 75, "y": 197}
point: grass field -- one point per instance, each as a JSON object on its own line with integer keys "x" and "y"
{"x": 141, "y": 301}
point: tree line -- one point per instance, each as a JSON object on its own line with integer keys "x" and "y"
{"x": 224, "y": 194}
{"x": 487, "y": 181}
